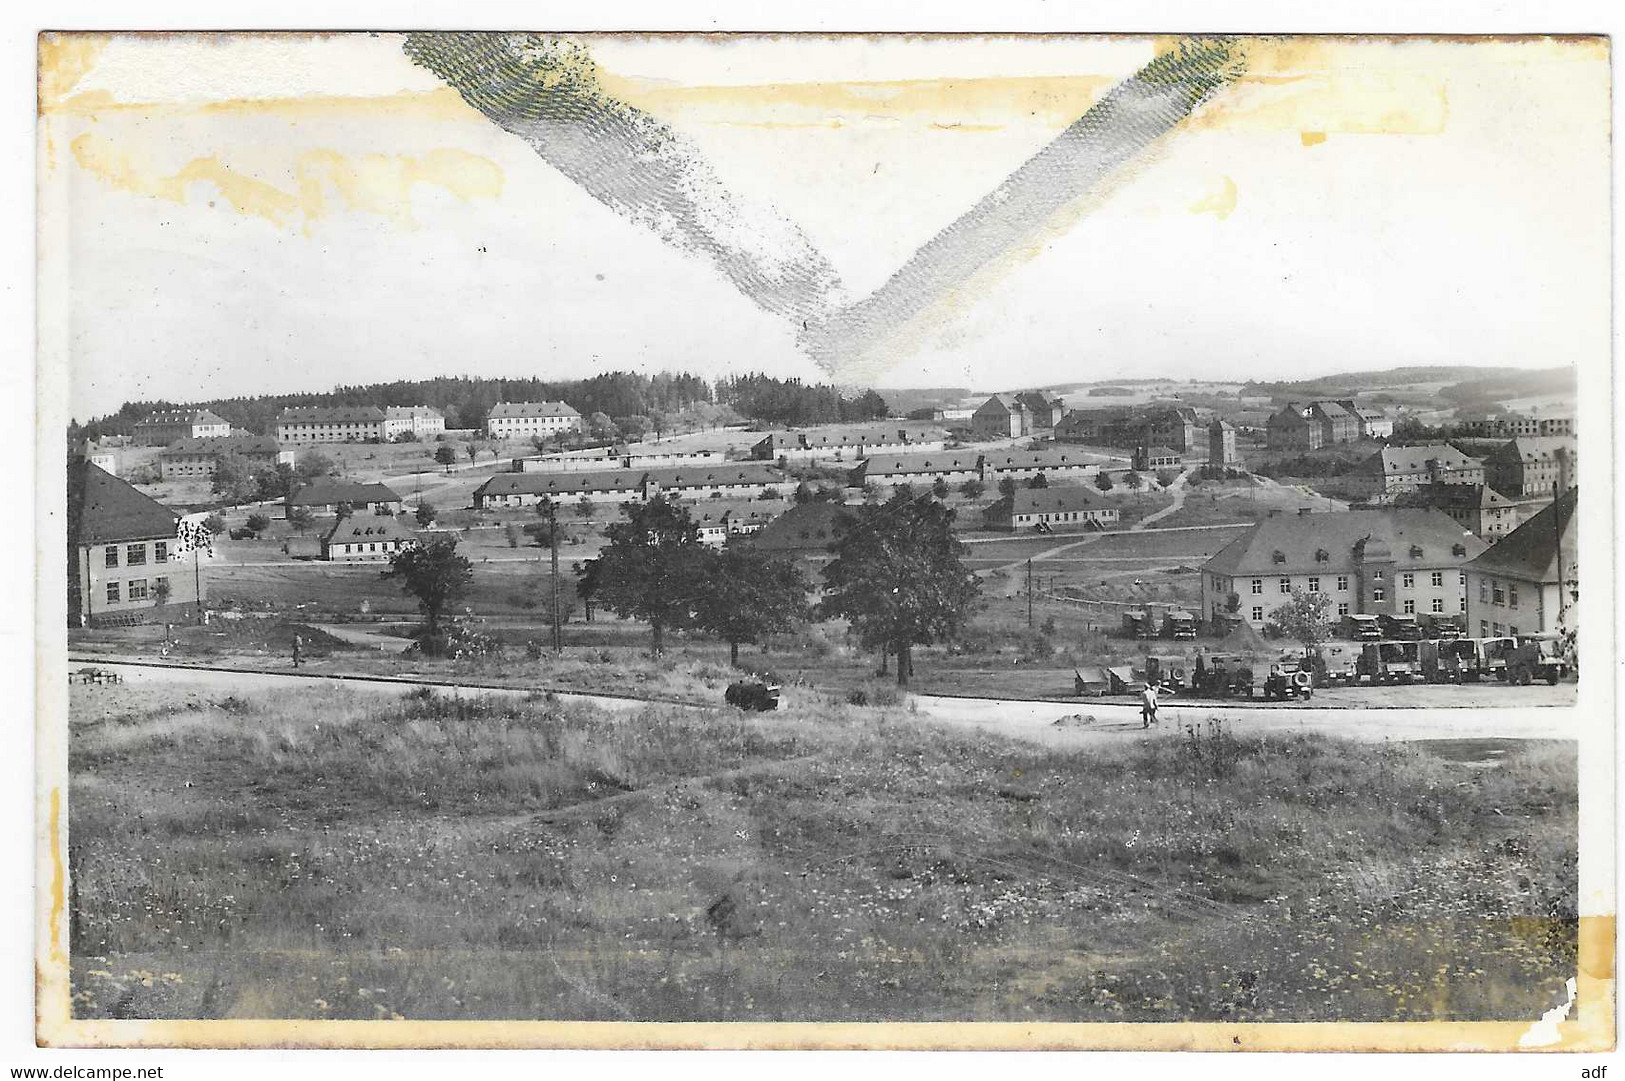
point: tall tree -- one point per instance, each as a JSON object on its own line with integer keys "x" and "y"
{"x": 434, "y": 573}
{"x": 898, "y": 578}
{"x": 312, "y": 464}
{"x": 1307, "y": 617}
{"x": 651, "y": 569}
{"x": 446, "y": 455}
{"x": 746, "y": 595}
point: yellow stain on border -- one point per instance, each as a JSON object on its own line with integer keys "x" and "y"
{"x": 1220, "y": 202}
{"x": 1311, "y": 138}
{"x": 378, "y": 184}
{"x": 59, "y": 879}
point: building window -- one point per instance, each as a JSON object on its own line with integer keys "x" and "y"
{"x": 1483, "y": 628}
{"x": 1483, "y": 591}
{"x": 135, "y": 555}
{"x": 1438, "y": 578}
{"x": 1284, "y": 584}
{"x": 1513, "y": 629}
{"x": 1314, "y": 585}
{"x": 1342, "y": 583}
{"x": 1407, "y": 581}
{"x": 1378, "y": 594}
{"x": 1438, "y": 605}
{"x": 1463, "y": 577}
{"x": 1495, "y": 628}
{"x": 1512, "y": 596}
{"x": 1377, "y": 575}
{"x": 112, "y": 555}
{"x": 1498, "y": 595}
{"x": 138, "y": 589}
{"x": 1410, "y": 608}
{"x": 112, "y": 592}
{"x": 1343, "y": 609}
{"x": 1258, "y": 585}
{"x": 1258, "y": 614}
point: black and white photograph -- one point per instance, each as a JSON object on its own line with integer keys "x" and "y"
{"x": 1055, "y": 540}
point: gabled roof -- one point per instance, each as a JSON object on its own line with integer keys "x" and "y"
{"x": 103, "y": 509}
{"x": 1405, "y": 461}
{"x": 568, "y": 482}
{"x": 323, "y": 493}
{"x": 1334, "y": 410}
{"x": 221, "y": 444}
{"x": 1035, "y": 401}
{"x": 1451, "y": 496}
{"x": 183, "y": 416}
{"x": 935, "y": 462}
{"x": 1000, "y": 403}
{"x": 719, "y": 511}
{"x": 1057, "y": 500}
{"x": 532, "y": 409}
{"x": 409, "y": 412}
{"x": 1048, "y": 458}
{"x": 1531, "y": 449}
{"x": 1530, "y": 552}
{"x": 1291, "y": 544}
{"x": 1288, "y": 415}
{"x": 707, "y": 474}
{"x": 330, "y": 414}
{"x": 367, "y": 528}
{"x": 1159, "y": 452}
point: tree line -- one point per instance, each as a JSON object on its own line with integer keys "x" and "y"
{"x": 634, "y": 400}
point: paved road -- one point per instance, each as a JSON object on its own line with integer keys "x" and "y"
{"x": 1082, "y": 721}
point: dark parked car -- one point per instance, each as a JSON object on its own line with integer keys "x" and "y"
{"x": 749, "y": 694}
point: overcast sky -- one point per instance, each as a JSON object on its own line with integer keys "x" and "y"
{"x": 232, "y": 216}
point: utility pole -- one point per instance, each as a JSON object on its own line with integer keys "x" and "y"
{"x": 553, "y": 542}
{"x": 1029, "y": 594}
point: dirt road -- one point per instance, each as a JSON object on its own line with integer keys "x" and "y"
{"x": 1079, "y": 722}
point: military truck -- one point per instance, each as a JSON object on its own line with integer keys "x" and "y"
{"x": 1399, "y": 628}
{"x": 1361, "y": 628}
{"x": 1337, "y": 662}
{"x": 1537, "y": 656}
{"x": 1223, "y": 675}
{"x": 1450, "y": 660}
{"x": 1137, "y": 624}
{"x": 1492, "y": 655}
{"x": 1179, "y": 625}
{"x": 1391, "y": 662}
{"x": 1168, "y": 671}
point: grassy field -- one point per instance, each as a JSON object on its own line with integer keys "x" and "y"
{"x": 349, "y": 855}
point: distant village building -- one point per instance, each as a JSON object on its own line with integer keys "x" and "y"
{"x": 739, "y": 480}
{"x": 1324, "y": 422}
{"x": 1045, "y": 412}
{"x": 123, "y": 555}
{"x": 1061, "y": 506}
{"x": 1369, "y": 562}
{"x": 100, "y": 455}
{"x": 1477, "y": 507}
{"x": 197, "y": 457}
{"x": 330, "y": 424}
{"x": 1513, "y": 426}
{"x": 1169, "y": 426}
{"x": 1156, "y": 458}
{"x": 1221, "y": 443}
{"x": 1533, "y": 466}
{"x": 326, "y": 496}
{"x": 1529, "y": 582}
{"x": 1003, "y": 416}
{"x": 1055, "y": 462}
{"x": 837, "y": 444}
{"x": 1394, "y": 469}
{"x": 421, "y": 420}
{"x": 167, "y": 425}
{"x": 952, "y": 413}
{"x": 366, "y": 539}
{"x": 522, "y": 420}
{"x": 952, "y": 467}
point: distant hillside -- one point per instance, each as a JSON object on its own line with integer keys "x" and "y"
{"x": 1465, "y": 387}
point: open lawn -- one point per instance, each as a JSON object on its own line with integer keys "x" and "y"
{"x": 364, "y": 855}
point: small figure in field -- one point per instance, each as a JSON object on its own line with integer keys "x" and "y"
{"x": 297, "y": 656}
{"x": 1148, "y": 706}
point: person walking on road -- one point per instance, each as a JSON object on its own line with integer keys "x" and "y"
{"x": 1148, "y": 705}
{"x": 296, "y": 655}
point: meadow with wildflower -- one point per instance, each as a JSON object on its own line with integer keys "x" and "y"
{"x": 350, "y": 854}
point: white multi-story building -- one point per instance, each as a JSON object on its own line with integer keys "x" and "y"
{"x": 522, "y": 420}
{"x": 329, "y": 424}
{"x": 420, "y": 420}
{"x": 1369, "y": 562}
